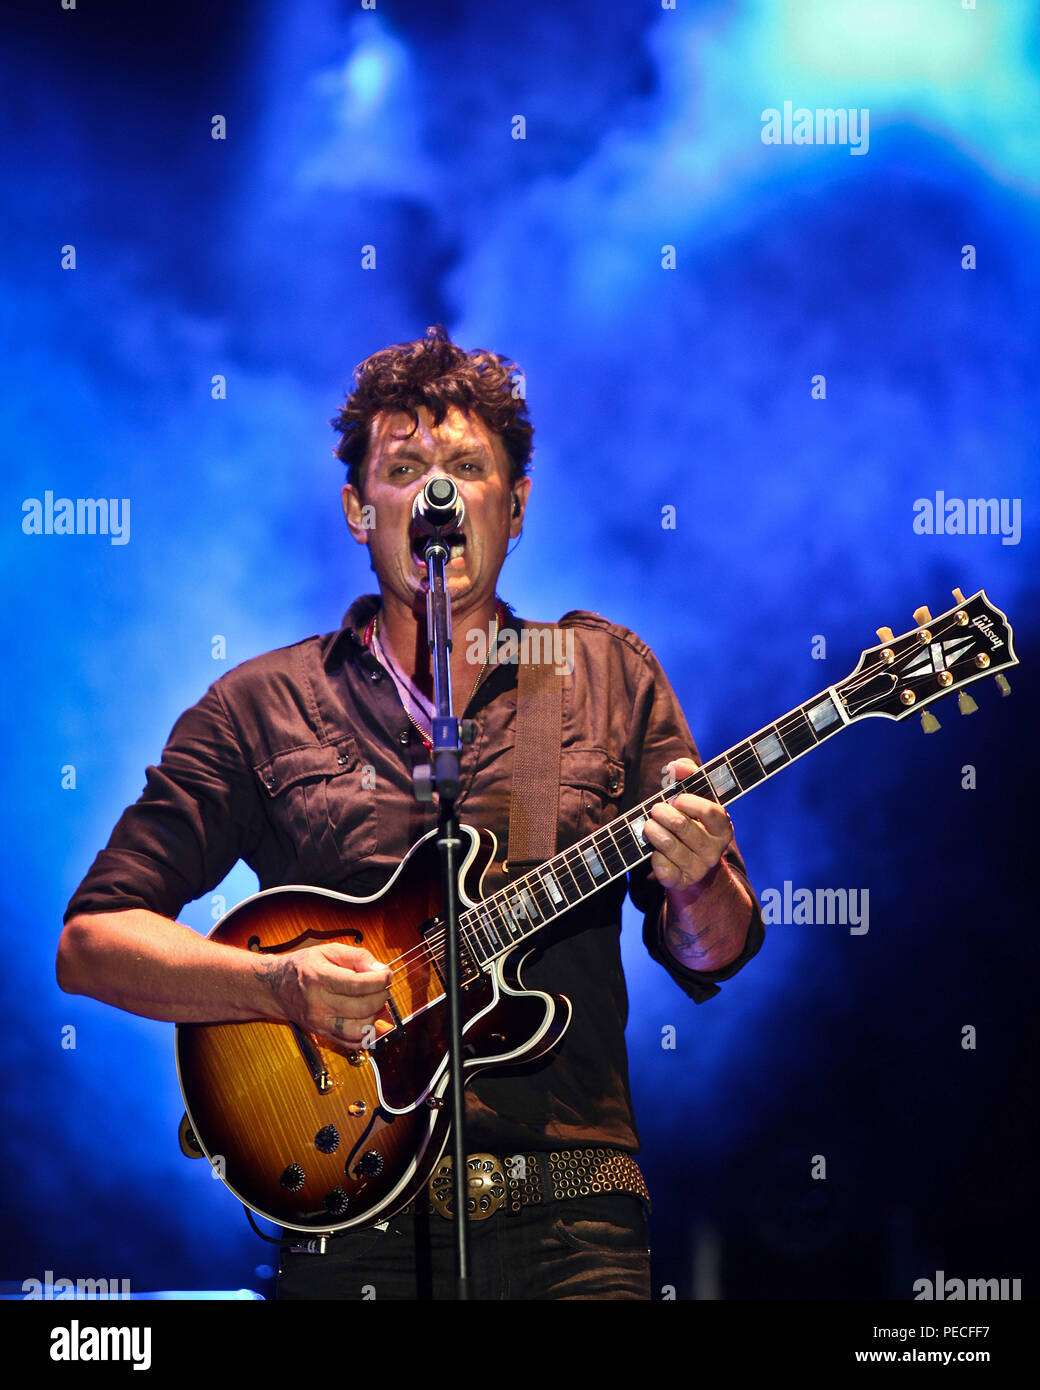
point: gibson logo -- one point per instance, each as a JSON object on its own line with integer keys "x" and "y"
{"x": 985, "y": 625}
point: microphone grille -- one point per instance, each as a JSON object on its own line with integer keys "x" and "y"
{"x": 440, "y": 491}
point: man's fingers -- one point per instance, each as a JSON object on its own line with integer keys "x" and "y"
{"x": 666, "y": 821}
{"x": 691, "y": 818}
{"x": 354, "y": 971}
{"x": 711, "y": 815}
{"x": 685, "y": 850}
{"x": 347, "y": 981}
{"x": 673, "y": 860}
{"x": 354, "y": 958}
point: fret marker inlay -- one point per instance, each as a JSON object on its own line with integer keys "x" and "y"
{"x": 769, "y": 749}
{"x": 721, "y": 779}
{"x": 489, "y": 925}
{"x": 552, "y": 886}
{"x": 593, "y": 860}
{"x": 823, "y": 714}
{"x": 529, "y": 904}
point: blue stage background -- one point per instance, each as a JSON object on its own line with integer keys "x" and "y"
{"x": 651, "y": 386}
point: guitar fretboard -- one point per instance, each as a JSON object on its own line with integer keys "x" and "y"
{"x": 513, "y": 913}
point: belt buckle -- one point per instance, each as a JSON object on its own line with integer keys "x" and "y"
{"x": 485, "y": 1186}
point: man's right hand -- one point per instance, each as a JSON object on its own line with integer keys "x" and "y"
{"x": 333, "y": 989}
{"x": 153, "y": 966}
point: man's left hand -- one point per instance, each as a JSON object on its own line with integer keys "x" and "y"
{"x": 708, "y": 911}
{"x": 689, "y": 836}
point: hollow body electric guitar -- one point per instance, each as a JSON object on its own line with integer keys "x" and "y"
{"x": 320, "y": 1135}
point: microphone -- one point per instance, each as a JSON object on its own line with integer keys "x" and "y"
{"x": 438, "y": 507}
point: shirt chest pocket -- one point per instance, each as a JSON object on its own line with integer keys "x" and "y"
{"x": 592, "y": 788}
{"x": 320, "y": 807}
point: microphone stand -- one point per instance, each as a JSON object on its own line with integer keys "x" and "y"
{"x": 445, "y": 777}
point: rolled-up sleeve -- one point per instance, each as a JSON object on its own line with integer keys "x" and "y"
{"x": 197, "y": 816}
{"x": 698, "y": 984}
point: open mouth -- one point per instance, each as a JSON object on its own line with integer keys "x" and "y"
{"x": 455, "y": 540}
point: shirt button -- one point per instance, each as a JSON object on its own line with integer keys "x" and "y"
{"x": 270, "y": 783}
{"x": 342, "y": 760}
{"x": 404, "y": 736}
{"x": 376, "y": 675}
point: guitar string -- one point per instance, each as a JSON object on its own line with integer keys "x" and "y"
{"x": 432, "y": 946}
{"x": 429, "y": 953}
{"x": 740, "y": 763}
{"x": 608, "y": 850}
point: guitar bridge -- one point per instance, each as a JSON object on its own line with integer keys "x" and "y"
{"x": 315, "y": 1065}
{"x": 395, "y": 1013}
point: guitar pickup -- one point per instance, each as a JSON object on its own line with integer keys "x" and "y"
{"x": 433, "y": 938}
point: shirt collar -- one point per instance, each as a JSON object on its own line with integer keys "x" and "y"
{"x": 348, "y": 640}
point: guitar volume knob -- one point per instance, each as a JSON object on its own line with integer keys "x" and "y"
{"x": 370, "y": 1164}
{"x": 293, "y": 1178}
{"x": 326, "y": 1140}
{"x": 336, "y": 1202}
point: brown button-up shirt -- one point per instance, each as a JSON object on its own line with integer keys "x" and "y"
{"x": 300, "y": 763}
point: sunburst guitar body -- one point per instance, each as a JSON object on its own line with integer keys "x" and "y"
{"x": 321, "y": 1135}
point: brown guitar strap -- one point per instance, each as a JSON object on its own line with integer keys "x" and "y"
{"x": 534, "y": 806}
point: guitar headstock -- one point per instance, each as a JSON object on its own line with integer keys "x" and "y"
{"x": 902, "y": 675}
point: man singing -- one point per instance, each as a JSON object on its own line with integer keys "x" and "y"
{"x": 300, "y": 763}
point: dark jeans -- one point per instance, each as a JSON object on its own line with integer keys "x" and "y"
{"x": 592, "y": 1247}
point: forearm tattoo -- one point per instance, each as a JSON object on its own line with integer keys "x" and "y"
{"x": 686, "y": 943}
{"x": 275, "y": 975}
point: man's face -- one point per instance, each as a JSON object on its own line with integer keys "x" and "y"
{"x": 398, "y": 464}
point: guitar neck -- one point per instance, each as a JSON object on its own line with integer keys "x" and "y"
{"x": 498, "y": 923}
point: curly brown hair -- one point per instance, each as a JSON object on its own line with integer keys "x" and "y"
{"x": 435, "y": 373}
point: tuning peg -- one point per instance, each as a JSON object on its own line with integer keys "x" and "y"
{"x": 929, "y": 723}
{"x": 959, "y": 596}
{"x": 1002, "y": 684}
{"x": 886, "y": 634}
{"x": 922, "y": 616}
{"x": 965, "y": 703}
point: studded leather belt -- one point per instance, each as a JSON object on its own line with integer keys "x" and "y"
{"x": 523, "y": 1180}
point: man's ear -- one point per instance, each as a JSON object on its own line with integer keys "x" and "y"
{"x": 521, "y": 489}
{"x": 360, "y": 517}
